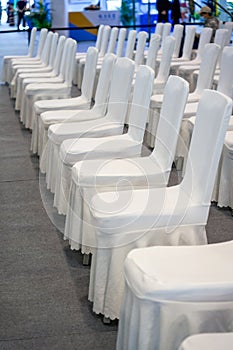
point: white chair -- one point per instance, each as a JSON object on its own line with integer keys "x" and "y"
{"x": 7, "y": 59}
{"x": 225, "y": 86}
{"x": 207, "y": 68}
{"x": 174, "y": 292}
{"x": 110, "y": 143}
{"x": 204, "y": 39}
{"x": 165, "y": 33}
{"x": 98, "y": 110}
{"x": 174, "y": 215}
{"x": 139, "y": 53}
{"x": 211, "y": 341}
{"x": 121, "y": 80}
{"x": 35, "y": 92}
{"x": 223, "y": 191}
{"x": 121, "y": 42}
{"x": 187, "y": 72}
{"x": 41, "y": 75}
{"x": 164, "y": 67}
{"x": 29, "y": 60}
{"x": 24, "y": 67}
{"x": 129, "y": 51}
{"x": 110, "y": 49}
{"x": 102, "y": 52}
{"x": 188, "y": 45}
{"x": 229, "y": 27}
{"x": 81, "y": 102}
{"x": 142, "y": 172}
{"x": 80, "y": 55}
{"x": 159, "y": 28}
{"x": 151, "y": 54}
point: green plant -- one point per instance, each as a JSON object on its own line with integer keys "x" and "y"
{"x": 126, "y": 11}
{"x": 40, "y": 16}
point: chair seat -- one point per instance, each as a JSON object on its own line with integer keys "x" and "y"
{"x": 211, "y": 341}
{"x": 173, "y": 273}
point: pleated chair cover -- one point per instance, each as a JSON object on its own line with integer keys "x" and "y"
{"x": 35, "y": 92}
{"x": 81, "y": 102}
{"x": 205, "y": 79}
{"x": 114, "y": 110}
{"x": 115, "y": 145}
{"x": 204, "y": 39}
{"x": 48, "y": 74}
{"x": 30, "y": 60}
{"x": 142, "y": 172}
{"x": 174, "y": 215}
{"x": 97, "y": 111}
{"x": 225, "y": 86}
{"x": 102, "y": 52}
{"x": 24, "y": 67}
{"x": 213, "y": 341}
{"x": 7, "y": 59}
{"x": 171, "y": 294}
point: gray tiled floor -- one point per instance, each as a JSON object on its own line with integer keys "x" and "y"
{"x": 43, "y": 288}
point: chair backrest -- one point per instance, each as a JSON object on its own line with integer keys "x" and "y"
{"x": 42, "y": 38}
{"x": 205, "y": 37}
{"x": 165, "y": 63}
{"x": 68, "y": 61}
{"x": 130, "y": 44}
{"x": 188, "y": 42}
{"x": 32, "y": 42}
{"x": 103, "y": 85}
{"x": 212, "y": 118}
{"x": 153, "y": 50}
{"x": 53, "y": 50}
{"x": 99, "y": 36}
{"x": 141, "y": 43}
{"x": 220, "y": 39}
{"x": 47, "y": 47}
{"x": 89, "y": 72}
{"x": 173, "y": 105}
{"x": 59, "y": 51}
{"x": 104, "y": 41}
{"x": 229, "y": 27}
{"x": 121, "y": 42}
{"x": 112, "y": 40}
{"x": 139, "y": 108}
{"x": 159, "y": 29}
{"x": 166, "y": 32}
{"x": 120, "y": 89}
{"x": 225, "y": 83}
{"x": 177, "y": 34}
{"x": 207, "y": 67}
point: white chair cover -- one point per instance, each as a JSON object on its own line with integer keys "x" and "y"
{"x": 34, "y": 92}
{"x": 48, "y": 74}
{"x": 7, "y": 59}
{"x": 29, "y": 60}
{"x": 110, "y": 122}
{"x": 139, "y": 54}
{"x": 174, "y": 215}
{"x": 177, "y": 34}
{"x": 26, "y": 67}
{"x": 225, "y": 86}
{"x": 115, "y": 145}
{"x": 102, "y": 52}
{"x": 174, "y": 292}
{"x": 152, "y": 51}
{"x": 159, "y": 28}
{"x": 187, "y": 71}
{"x": 229, "y": 27}
{"x": 129, "y": 51}
{"x": 204, "y": 39}
{"x": 205, "y": 78}
{"x": 81, "y": 102}
{"x": 121, "y": 42}
{"x": 211, "y": 341}
{"x": 154, "y": 170}
{"x": 97, "y": 111}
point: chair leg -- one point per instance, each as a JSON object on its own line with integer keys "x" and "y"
{"x": 86, "y": 259}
